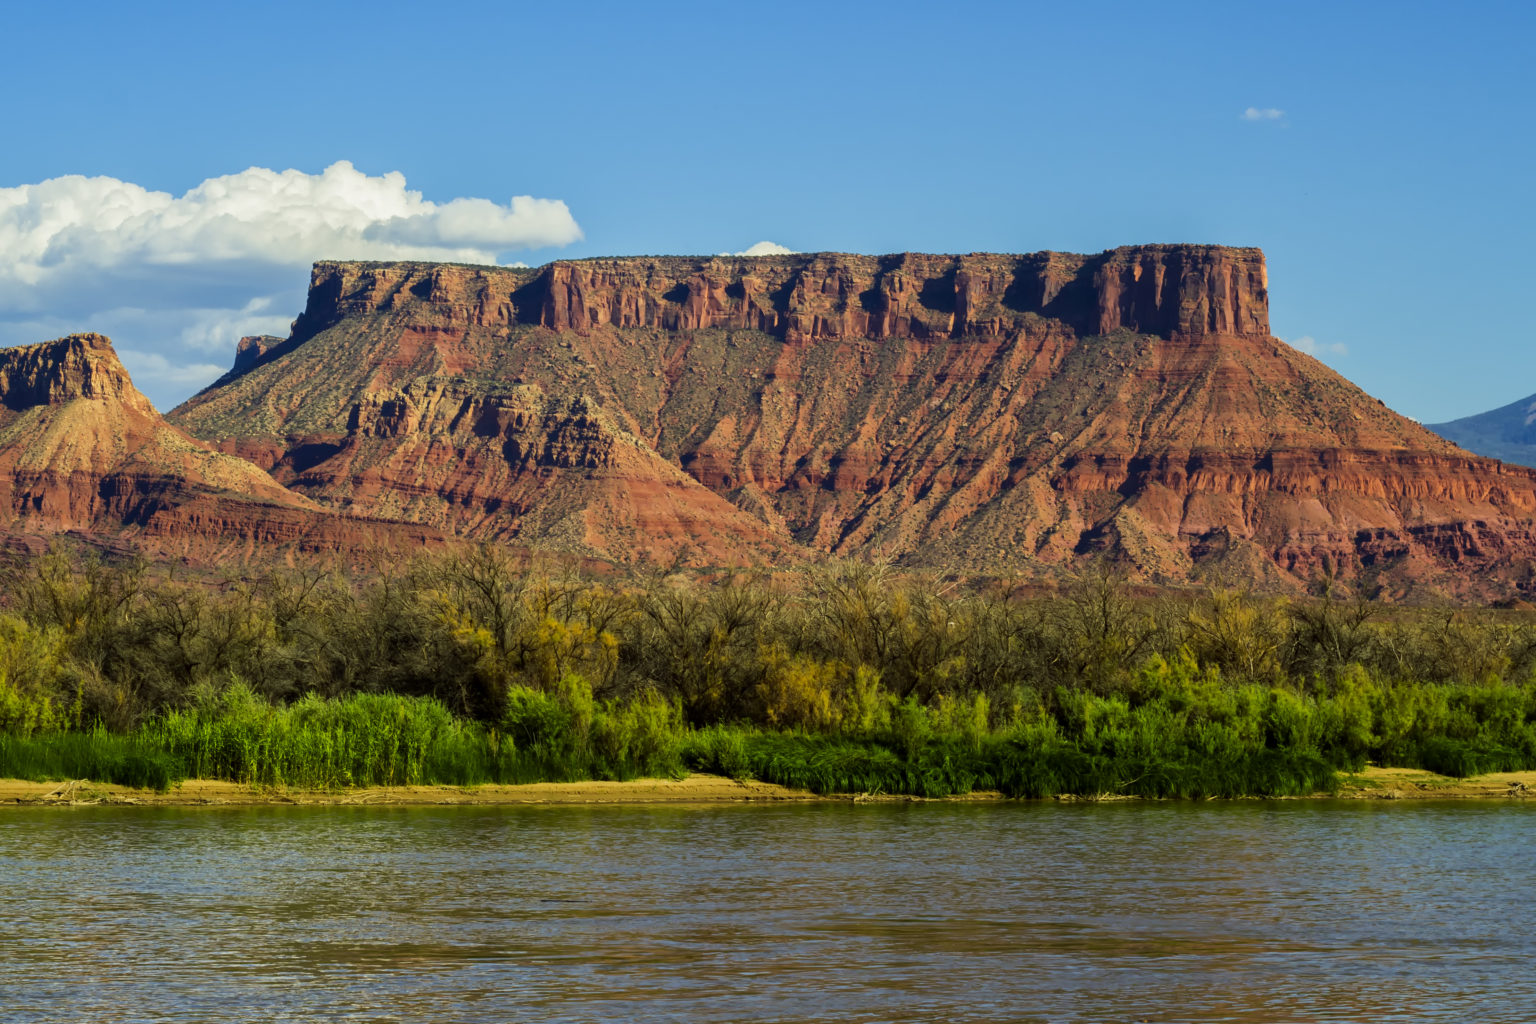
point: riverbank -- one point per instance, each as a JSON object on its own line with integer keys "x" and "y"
{"x": 1371, "y": 784}
{"x": 695, "y": 788}
{"x": 1415, "y": 784}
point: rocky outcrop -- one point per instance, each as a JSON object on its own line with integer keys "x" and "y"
{"x": 81, "y": 366}
{"x": 992, "y": 413}
{"x": 521, "y": 464}
{"x": 82, "y": 451}
{"x": 251, "y": 349}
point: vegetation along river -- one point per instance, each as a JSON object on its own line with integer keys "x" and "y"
{"x": 1234, "y": 911}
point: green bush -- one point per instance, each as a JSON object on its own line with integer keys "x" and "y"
{"x": 473, "y": 667}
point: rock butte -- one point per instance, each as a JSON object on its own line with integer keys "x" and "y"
{"x": 982, "y": 413}
{"x": 83, "y": 452}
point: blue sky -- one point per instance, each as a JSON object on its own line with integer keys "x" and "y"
{"x": 1386, "y": 168}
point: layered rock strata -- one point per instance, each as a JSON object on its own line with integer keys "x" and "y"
{"x": 988, "y": 413}
{"x": 1158, "y": 289}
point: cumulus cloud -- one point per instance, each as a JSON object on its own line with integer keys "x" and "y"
{"x": 213, "y": 330}
{"x": 762, "y": 249}
{"x": 227, "y": 257}
{"x": 1263, "y": 114}
{"x": 157, "y": 367}
{"x": 63, "y": 226}
{"x": 1312, "y": 347}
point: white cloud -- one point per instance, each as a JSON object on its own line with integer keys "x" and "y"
{"x": 166, "y": 274}
{"x": 1311, "y": 346}
{"x": 154, "y": 368}
{"x": 216, "y": 330}
{"x": 66, "y": 225}
{"x": 1263, "y": 114}
{"x": 762, "y": 249}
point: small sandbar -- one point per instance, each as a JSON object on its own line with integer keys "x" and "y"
{"x": 695, "y": 788}
{"x": 1371, "y": 784}
{"x": 1416, "y": 784}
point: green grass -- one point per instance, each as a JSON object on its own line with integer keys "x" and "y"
{"x": 362, "y": 740}
{"x": 97, "y": 755}
{"x": 949, "y": 767}
{"x": 1178, "y": 733}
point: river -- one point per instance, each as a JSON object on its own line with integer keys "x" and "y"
{"x": 1241, "y": 911}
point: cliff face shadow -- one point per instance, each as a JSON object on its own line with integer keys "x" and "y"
{"x": 1026, "y": 292}
{"x": 528, "y": 300}
{"x": 780, "y": 296}
{"x": 302, "y": 458}
{"x": 938, "y": 293}
{"x": 1077, "y": 303}
{"x": 1074, "y": 302}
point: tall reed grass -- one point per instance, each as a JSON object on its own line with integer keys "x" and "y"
{"x": 468, "y": 669}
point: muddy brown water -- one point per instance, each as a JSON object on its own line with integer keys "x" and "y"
{"x": 1244, "y": 911}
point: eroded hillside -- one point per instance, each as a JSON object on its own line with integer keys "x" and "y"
{"x": 987, "y": 412}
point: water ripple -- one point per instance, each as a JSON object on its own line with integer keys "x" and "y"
{"x": 1142, "y": 912}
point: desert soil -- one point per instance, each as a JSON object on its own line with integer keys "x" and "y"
{"x": 1371, "y": 784}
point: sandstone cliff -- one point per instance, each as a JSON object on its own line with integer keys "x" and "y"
{"x": 1168, "y": 290}
{"x": 987, "y": 412}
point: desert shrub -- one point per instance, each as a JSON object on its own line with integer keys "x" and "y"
{"x": 798, "y": 691}
{"x": 965, "y": 719}
{"x": 865, "y": 705}
{"x": 1237, "y": 634}
{"x": 1105, "y": 634}
{"x": 701, "y": 645}
{"x": 641, "y": 736}
{"x": 1327, "y": 635}
{"x": 39, "y": 688}
{"x": 914, "y": 635}
{"x": 573, "y": 735}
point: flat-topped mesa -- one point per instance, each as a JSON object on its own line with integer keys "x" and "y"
{"x": 54, "y": 372}
{"x": 1167, "y": 290}
{"x": 978, "y": 413}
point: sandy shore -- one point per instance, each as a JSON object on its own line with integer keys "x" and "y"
{"x": 695, "y": 788}
{"x": 1413, "y": 784}
{"x": 1371, "y": 784}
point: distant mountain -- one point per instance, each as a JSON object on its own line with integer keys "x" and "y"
{"x": 1508, "y": 432}
{"x": 981, "y": 413}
